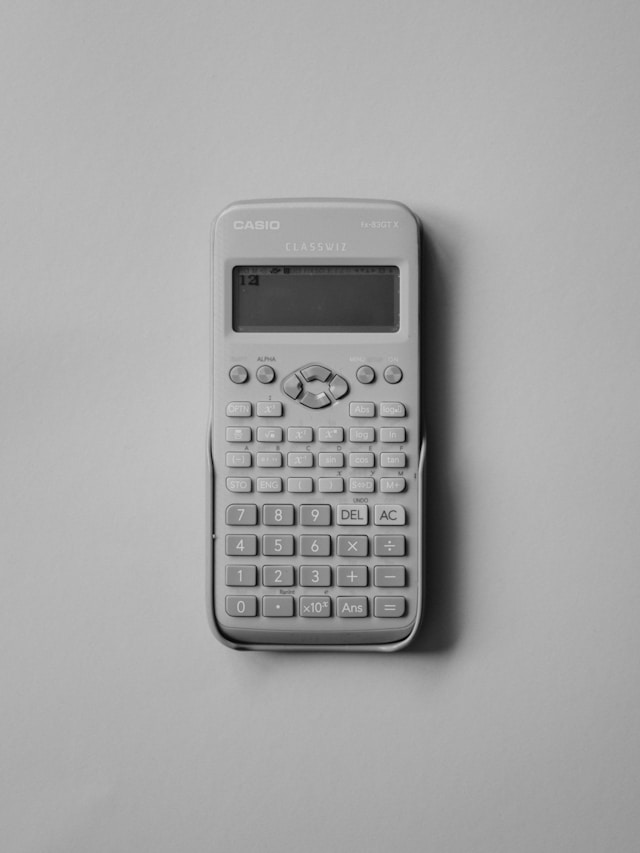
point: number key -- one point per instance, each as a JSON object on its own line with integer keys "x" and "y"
{"x": 315, "y": 546}
{"x": 245, "y": 544}
{"x": 274, "y": 514}
{"x": 315, "y": 514}
{"x": 274, "y": 545}
{"x": 241, "y": 514}
{"x": 277, "y": 575}
{"x": 315, "y": 576}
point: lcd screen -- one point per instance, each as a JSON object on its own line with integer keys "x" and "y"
{"x": 316, "y": 299}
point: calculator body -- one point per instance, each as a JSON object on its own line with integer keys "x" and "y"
{"x": 316, "y": 443}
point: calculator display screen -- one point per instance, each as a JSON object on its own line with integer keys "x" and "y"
{"x": 316, "y": 299}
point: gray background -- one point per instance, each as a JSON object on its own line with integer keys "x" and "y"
{"x": 512, "y": 130}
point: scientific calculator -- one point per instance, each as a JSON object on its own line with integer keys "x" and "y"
{"x": 316, "y": 444}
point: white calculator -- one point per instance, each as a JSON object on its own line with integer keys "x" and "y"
{"x": 317, "y": 445}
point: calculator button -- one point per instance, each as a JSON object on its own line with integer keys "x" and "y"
{"x": 277, "y": 575}
{"x": 315, "y": 606}
{"x": 271, "y": 434}
{"x": 241, "y": 575}
{"x": 276, "y": 514}
{"x": 300, "y": 460}
{"x": 331, "y": 460}
{"x": 239, "y": 410}
{"x": 238, "y": 434}
{"x": 239, "y": 484}
{"x": 269, "y": 410}
{"x": 269, "y": 460}
{"x": 316, "y": 371}
{"x": 299, "y": 484}
{"x": 361, "y": 460}
{"x": 274, "y": 545}
{"x": 269, "y": 484}
{"x": 395, "y": 435}
{"x": 315, "y": 515}
{"x": 389, "y": 606}
{"x": 352, "y": 576}
{"x": 388, "y": 514}
{"x": 302, "y": 434}
{"x": 362, "y": 410}
{"x": 330, "y": 484}
{"x": 338, "y": 387}
{"x": 241, "y": 514}
{"x": 361, "y": 484}
{"x": 245, "y": 544}
{"x": 392, "y": 374}
{"x": 238, "y": 460}
{"x": 389, "y": 546}
{"x": 315, "y": 401}
{"x": 365, "y": 374}
{"x": 241, "y": 605}
{"x": 392, "y": 410}
{"x": 265, "y": 374}
{"x": 353, "y": 546}
{"x": 331, "y": 434}
{"x": 315, "y": 546}
{"x": 277, "y": 605}
{"x": 389, "y": 575}
{"x": 392, "y": 484}
{"x": 315, "y": 576}
{"x": 292, "y": 386}
{"x": 362, "y": 435}
{"x": 238, "y": 374}
{"x": 350, "y": 606}
{"x": 350, "y": 515}
{"x": 393, "y": 460}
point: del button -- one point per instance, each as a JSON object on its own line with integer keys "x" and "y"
{"x": 352, "y": 514}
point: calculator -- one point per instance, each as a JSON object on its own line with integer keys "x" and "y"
{"x": 316, "y": 442}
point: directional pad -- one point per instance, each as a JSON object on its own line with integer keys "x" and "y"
{"x": 295, "y": 385}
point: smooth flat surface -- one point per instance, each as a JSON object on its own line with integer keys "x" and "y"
{"x": 511, "y": 129}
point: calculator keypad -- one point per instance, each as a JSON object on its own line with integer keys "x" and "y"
{"x": 353, "y": 554}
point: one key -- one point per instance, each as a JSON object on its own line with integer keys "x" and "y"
{"x": 241, "y": 575}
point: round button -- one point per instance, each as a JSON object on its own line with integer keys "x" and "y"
{"x": 392, "y": 374}
{"x": 365, "y": 374}
{"x": 265, "y": 374}
{"x": 238, "y": 374}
